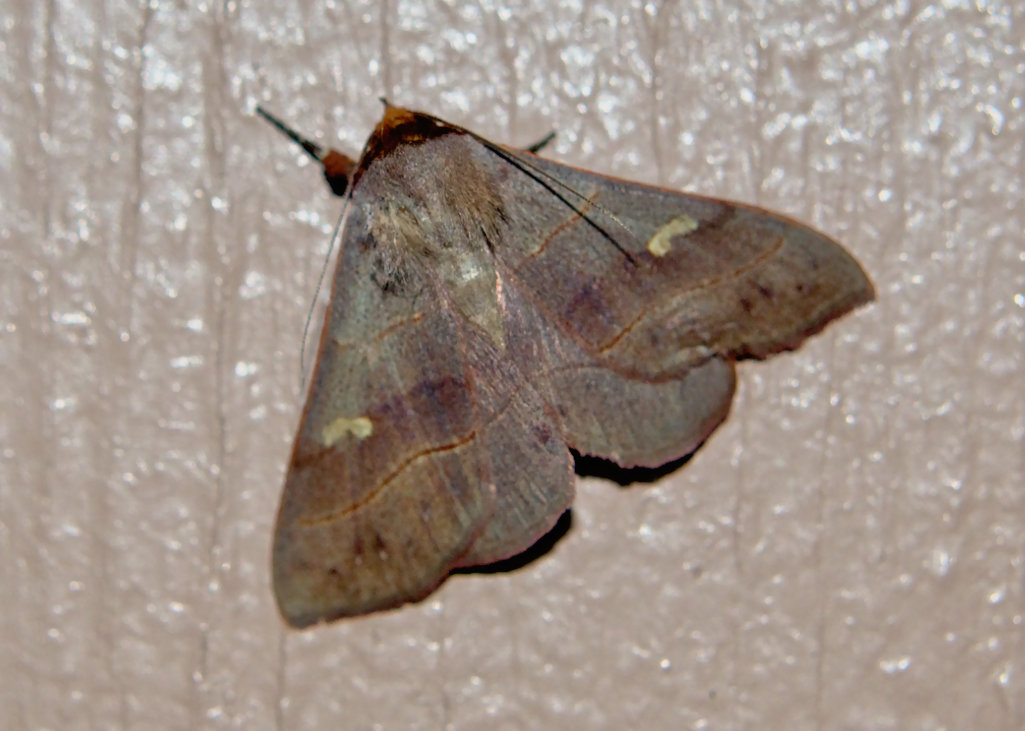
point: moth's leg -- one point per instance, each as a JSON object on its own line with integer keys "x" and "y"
{"x": 536, "y": 147}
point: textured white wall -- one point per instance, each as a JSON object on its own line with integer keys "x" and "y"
{"x": 847, "y": 551}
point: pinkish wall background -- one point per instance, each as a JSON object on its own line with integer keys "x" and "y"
{"x": 848, "y": 551}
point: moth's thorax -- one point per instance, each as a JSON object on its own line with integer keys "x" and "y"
{"x": 432, "y": 195}
{"x": 435, "y": 214}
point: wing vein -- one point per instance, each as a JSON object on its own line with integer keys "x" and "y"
{"x": 376, "y": 492}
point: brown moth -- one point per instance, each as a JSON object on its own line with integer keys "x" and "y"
{"x": 491, "y": 310}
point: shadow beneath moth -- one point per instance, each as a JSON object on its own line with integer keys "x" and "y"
{"x": 492, "y": 310}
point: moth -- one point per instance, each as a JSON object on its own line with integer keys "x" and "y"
{"x": 492, "y": 310}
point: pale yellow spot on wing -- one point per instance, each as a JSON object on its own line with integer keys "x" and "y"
{"x": 661, "y": 242}
{"x": 360, "y": 427}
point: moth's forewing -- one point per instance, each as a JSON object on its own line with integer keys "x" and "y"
{"x": 491, "y": 309}
{"x": 385, "y": 490}
{"x": 702, "y": 276}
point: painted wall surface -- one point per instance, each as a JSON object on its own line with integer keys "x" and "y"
{"x": 847, "y": 551}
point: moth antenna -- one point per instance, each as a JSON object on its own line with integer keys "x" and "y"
{"x": 338, "y": 168}
{"x": 548, "y": 180}
{"x": 569, "y": 188}
{"x": 310, "y": 147}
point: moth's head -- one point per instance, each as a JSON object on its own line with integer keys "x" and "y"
{"x": 399, "y": 128}
{"x": 338, "y": 169}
